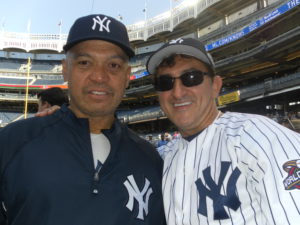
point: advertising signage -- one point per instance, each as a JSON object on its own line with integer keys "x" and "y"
{"x": 257, "y": 24}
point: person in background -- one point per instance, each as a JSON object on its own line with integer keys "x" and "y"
{"x": 151, "y": 140}
{"x": 50, "y": 97}
{"x": 162, "y": 140}
{"x": 176, "y": 134}
{"x": 168, "y": 136}
{"x": 80, "y": 165}
{"x": 226, "y": 168}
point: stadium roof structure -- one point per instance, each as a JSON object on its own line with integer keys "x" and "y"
{"x": 184, "y": 19}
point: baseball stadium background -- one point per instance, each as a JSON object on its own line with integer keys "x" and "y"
{"x": 255, "y": 45}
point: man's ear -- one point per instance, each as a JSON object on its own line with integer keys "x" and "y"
{"x": 65, "y": 69}
{"x": 217, "y": 85}
{"x": 128, "y": 76}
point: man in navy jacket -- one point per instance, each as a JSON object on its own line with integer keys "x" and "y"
{"x": 80, "y": 165}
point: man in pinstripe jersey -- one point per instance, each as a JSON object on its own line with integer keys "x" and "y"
{"x": 229, "y": 168}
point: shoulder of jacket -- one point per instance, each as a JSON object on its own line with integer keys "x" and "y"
{"x": 143, "y": 145}
{"x": 30, "y": 126}
{"x": 18, "y": 133}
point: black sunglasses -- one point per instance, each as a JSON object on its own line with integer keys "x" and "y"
{"x": 188, "y": 79}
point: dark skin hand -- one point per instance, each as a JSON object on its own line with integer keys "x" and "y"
{"x": 48, "y": 111}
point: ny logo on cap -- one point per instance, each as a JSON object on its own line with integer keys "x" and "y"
{"x": 98, "y": 20}
{"x": 175, "y": 41}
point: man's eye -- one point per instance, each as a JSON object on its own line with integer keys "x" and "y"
{"x": 115, "y": 65}
{"x": 83, "y": 62}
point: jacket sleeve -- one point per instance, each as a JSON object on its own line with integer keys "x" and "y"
{"x": 12, "y": 137}
{"x": 8, "y": 147}
{"x": 3, "y": 220}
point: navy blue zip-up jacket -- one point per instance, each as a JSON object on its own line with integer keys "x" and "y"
{"x": 48, "y": 177}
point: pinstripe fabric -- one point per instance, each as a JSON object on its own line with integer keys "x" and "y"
{"x": 253, "y": 145}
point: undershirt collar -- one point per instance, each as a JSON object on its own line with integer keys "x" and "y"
{"x": 190, "y": 138}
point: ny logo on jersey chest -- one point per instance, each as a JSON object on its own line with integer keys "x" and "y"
{"x": 214, "y": 192}
{"x": 142, "y": 197}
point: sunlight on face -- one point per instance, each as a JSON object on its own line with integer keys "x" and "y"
{"x": 191, "y": 109}
{"x": 97, "y": 73}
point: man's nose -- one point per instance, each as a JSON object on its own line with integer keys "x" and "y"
{"x": 99, "y": 74}
{"x": 178, "y": 89}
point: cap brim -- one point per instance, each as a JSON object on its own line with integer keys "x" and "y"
{"x": 127, "y": 50}
{"x": 165, "y": 52}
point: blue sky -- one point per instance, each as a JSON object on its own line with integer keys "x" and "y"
{"x": 45, "y": 15}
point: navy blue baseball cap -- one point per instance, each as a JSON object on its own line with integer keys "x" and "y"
{"x": 185, "y": 46}
{"x": 99, "y": 27}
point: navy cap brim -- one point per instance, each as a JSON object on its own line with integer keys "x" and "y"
{"x": 127, "y": 50}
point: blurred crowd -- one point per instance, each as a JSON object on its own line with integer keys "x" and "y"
{"x": 162, "y": 139}
{"x": 287, "y": 120}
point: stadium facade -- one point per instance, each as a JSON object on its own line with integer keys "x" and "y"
{"x": 255, "y": 45}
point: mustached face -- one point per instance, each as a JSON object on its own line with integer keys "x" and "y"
{"x": 191, "y": 109}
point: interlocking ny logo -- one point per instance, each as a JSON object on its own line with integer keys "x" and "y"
{"x": 175, "y": 41}
{"x": 142, "y": 197}
{"x": 98, "y": 20}
{"x": 214, "y": 192}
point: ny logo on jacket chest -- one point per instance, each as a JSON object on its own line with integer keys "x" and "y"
{"x": 214, "y": 192}
{"x": 141, "y": 197}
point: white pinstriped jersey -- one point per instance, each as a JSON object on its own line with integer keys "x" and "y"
{"x": 242, "y": 169}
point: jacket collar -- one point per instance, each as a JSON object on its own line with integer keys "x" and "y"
{"x": 82, "y": 126}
